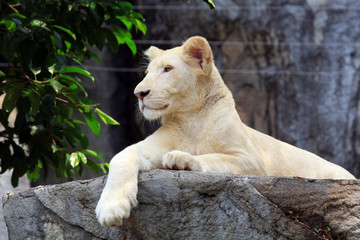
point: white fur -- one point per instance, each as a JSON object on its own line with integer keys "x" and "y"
{"x": 200, "y": 130}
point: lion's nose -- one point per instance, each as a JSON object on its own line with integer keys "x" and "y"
{"x": 140, "y": 95}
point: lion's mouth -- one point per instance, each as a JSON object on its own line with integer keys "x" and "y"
{"x": 154, "y": 109}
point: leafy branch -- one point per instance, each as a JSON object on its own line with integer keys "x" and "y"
{"x": 40, "y": 41}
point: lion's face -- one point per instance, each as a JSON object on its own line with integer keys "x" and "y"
{"x": 167, "y": 79}
{"x": 171, "y": 84}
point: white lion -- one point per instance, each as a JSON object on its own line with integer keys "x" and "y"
{"x": 201, "y": 131}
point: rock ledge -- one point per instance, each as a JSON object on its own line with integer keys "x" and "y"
{"x": 192, "y": 205}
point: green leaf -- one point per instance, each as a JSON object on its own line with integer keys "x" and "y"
{"x": 66, "y": 30}
{"x": 75, "y": 135}
{"x": 128, "y": 24}
{"x": 92, "y": 166}
{"x": 126, "y": 4}
{"x": 35, "y": 100}
{"x": 82, "y": 157}
{"x": 68, "y": 46}
{"x": 136, "y": 15}
{"x": 94, "y": 56}
{"x": 37, "y": 23}
{"x": 57, "y": 86}
{"x": 58, "y": 40}
{"x": 55, "y": 148}
{"x": 35, "y": 70}
{"x": 130, "y": 43}
{"x": 18, "y": 160}
{"x": 15, "y": 178}
{"x": 51, "y": 69}
{"x": 10, "y": 25}
{"x": 19, "y": 24}
{"x": 79, "y": 168}
{"x": 137, "y": 20}
{"x": 104, "y": 167}
{"x": 78, "y": 122}
{"x": 210, "y": 3}
{"x": 78, "y": 70}
{"x": 74, "y": 159}
{"x": 70, "y": 123}
{"x": 123, "y": 36}
{"x": 106, "y": 118}
{"x": 92, "y": 153}
{"x": 69, "y": 113}
{"x": 87, "y": 102}
{"x": 35, "y": 174}
{"x": 141, "y": 26}
{"x": 5, "y": 156}
{"x": 73, "y": 80}
{"x": 92, "y": 122}
{"x": 11, "y": 97}
{"x": 2, "y": 74}
{"x": 112, "y": 41}
{"x": 17, "y": 15}
{"x": 70, "y": 138}
{"x": 60, "y": 61}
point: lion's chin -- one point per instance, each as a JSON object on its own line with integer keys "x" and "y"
{"x": 153, "y": 113}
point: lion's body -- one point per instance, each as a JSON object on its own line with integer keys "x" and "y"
{"x": 200, "y": 131}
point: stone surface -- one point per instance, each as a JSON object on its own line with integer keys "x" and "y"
{"x": 191, "y": 205}
{"x": 5, "y": 186}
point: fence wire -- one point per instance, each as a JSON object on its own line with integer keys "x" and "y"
{"x": 249, "y": 43}
{"x": 336, "y": 45}
{"x": 241, "y": 8}
{"x": 222, "y": 71}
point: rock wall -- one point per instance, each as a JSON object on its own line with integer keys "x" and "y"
{"x": 192, "y": 205}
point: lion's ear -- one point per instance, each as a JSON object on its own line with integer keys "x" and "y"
{"x": 153, "y": 52}
{"x": 198, "y": 50}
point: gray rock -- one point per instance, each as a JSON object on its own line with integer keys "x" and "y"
{"x": 5, "y": 186}
{"x": 192, "y": 205}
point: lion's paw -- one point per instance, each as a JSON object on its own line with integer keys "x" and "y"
{"x": 111, "y": 211}
{"x": 180, "y": 161}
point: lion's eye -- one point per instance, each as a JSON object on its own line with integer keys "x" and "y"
{"x": 168, "y": 68}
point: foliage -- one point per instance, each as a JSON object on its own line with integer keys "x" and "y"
{"x": 44, "y": 43}
{"x": 210, "y": 3}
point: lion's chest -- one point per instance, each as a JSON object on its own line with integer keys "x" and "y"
{"x": 199, "y": 142}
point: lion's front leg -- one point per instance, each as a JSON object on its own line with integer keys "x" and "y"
{"x": 214, "y": 162}
{"x": 119, "y": 194}
{"x": 180, "y": 160}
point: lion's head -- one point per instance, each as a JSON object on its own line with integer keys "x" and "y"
{"x": 175, "y": 79}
